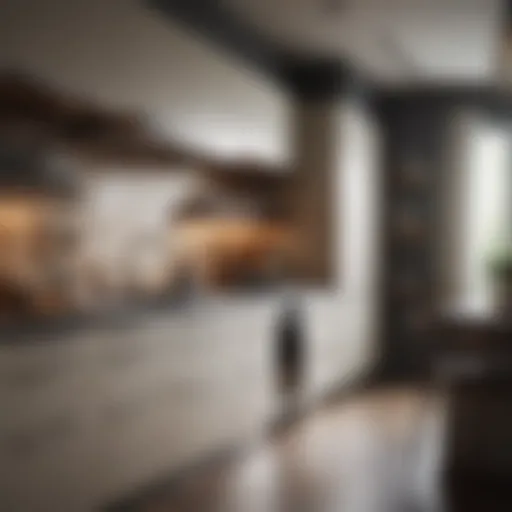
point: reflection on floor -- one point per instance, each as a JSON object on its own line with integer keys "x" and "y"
{"x": 382, "y": 452}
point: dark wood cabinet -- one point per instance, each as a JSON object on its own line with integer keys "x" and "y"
{"x": 473, "y": 360}
{"x": 467, "y": 351}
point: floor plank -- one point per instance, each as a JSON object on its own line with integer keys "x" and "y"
{"x": 382, "y": 452}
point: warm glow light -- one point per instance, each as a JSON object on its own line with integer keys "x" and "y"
{"x": 20, "y": 213}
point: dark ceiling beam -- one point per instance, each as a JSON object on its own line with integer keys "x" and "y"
{"x": 508, "y": 15}
{"x": 504, "y": 57}
{"x": 211, "y": 19}
{"x": 324, "y": 79}
{"x": 305, "y": 78}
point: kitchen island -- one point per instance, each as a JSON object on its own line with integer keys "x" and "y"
{"x": 96, "y": 412}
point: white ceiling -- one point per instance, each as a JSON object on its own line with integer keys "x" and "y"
{"x": 392, "y": 40}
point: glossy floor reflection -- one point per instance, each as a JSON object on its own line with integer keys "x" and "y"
{"x": 382, "y": 452}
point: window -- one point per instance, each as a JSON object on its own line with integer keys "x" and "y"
{"x": 485, "y": 184}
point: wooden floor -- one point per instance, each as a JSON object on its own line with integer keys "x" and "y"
{"x": 386, "y": 451}
{"x": 383, "y": 452}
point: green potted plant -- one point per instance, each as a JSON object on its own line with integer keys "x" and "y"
{"x": 500, "y": 266}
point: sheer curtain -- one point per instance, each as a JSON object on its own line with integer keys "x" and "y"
{"x": 486, "y": 184}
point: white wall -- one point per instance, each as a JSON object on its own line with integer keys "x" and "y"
{"x": 342, "y": 324}
{"x": 357, "y": 211}
{"x": 124, "y": 54}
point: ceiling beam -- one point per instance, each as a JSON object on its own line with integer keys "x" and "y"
{"x": 212, "y": 20}
{"x": 307, "y": 79}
